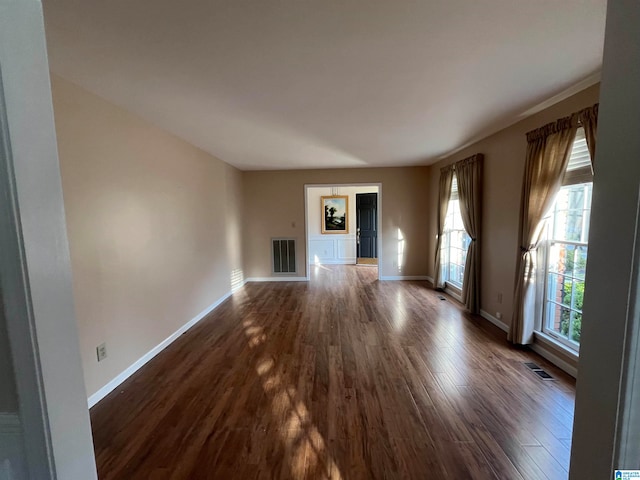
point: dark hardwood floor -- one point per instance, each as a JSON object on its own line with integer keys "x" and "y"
{"x": 344, "y": 377}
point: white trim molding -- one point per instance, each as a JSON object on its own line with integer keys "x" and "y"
{"x": 557, "y": 361}
{"x": 541, "y": 346}
{"x": 498, "y": 323}
{"x": 276, "y": 279}
{"x": 454, "y": 293}
{"x": 544, "y": 345}
{"x": 405, "y": 277}
{"x": 36, "y": 270}
{"x": 572, "y": 90}
{"x": 346, "y": 261}
{"x": 114, "y": 383}
{"x": 498, "y": 126}
{"x": 332, "y": 249}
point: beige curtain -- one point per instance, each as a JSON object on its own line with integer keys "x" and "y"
{"x": 469, "y": 176}
{"x": 444, "y": 192}
{"x": 589, "y": 120}
{"x": 548, "y": 152}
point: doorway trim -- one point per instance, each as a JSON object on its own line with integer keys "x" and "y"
{"x": 307, "y": 186}
{"x": 40, "y": 267}
{"x": 30, "y": 422}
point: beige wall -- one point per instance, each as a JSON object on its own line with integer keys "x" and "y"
{"x": 153, "y": 225}
{"x": 503, "y": 170}
{"x": 274, "y": 207}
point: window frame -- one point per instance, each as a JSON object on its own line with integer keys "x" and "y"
{"x": 578, "y": 176}
{"x": 446, "y": 244}
{"x": 572, "y": 344}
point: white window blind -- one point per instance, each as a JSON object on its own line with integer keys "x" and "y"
{"x": 454, "y": 189}
{"x": 580, "y": 153}
{"x": 579, "y": 168}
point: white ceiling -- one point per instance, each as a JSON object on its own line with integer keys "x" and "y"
{"x": 266, "y": 84}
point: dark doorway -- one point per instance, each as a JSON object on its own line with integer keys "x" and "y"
{"x": 367, "y": 227}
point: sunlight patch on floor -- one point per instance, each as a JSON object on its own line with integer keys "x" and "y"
{"x": 302, "y": 440}
{"x": 319, "y": 265}
{"x": 399, "y": 311}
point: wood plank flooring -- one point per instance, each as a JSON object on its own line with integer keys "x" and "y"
{"x": 344, "y": 377}
{"x": 367, "y": 261}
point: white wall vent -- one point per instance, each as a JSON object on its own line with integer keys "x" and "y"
{"x": 283, "y": 255}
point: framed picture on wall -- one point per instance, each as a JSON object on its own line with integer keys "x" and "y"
{"x": 335, "y": 214}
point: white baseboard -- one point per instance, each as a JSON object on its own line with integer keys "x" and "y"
{"x": 337, "y": 261}
{"x": 113, "y": 384}
{"x": 405, "y": 277}
{"x": 557, "y": 361}
{"x": 498, "y": 323}
{"x": 544, "y": 346}
{"x": 536, "y": 347}
{"x": 451, "y": 292}
{"x": 276, "y": 279}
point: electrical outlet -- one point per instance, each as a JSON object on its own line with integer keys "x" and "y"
{"x": 101, "y": 351}
{"x": 500, "y": 298}
{"x": 498, "y": 315}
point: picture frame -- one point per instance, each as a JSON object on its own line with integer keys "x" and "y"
{"x": 335, "y": 214}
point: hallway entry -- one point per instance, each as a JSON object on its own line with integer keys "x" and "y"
{"x": 342, "y": 224}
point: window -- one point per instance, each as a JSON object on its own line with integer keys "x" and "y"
{"x": 455, "y": 241}
{"x": 565, "y": 249}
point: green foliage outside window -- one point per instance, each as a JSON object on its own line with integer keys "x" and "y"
{"x": 577, "y": 317}
{"x": 578, "y": 299}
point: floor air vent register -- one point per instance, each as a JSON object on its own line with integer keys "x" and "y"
{"x": 538, "y": 371}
